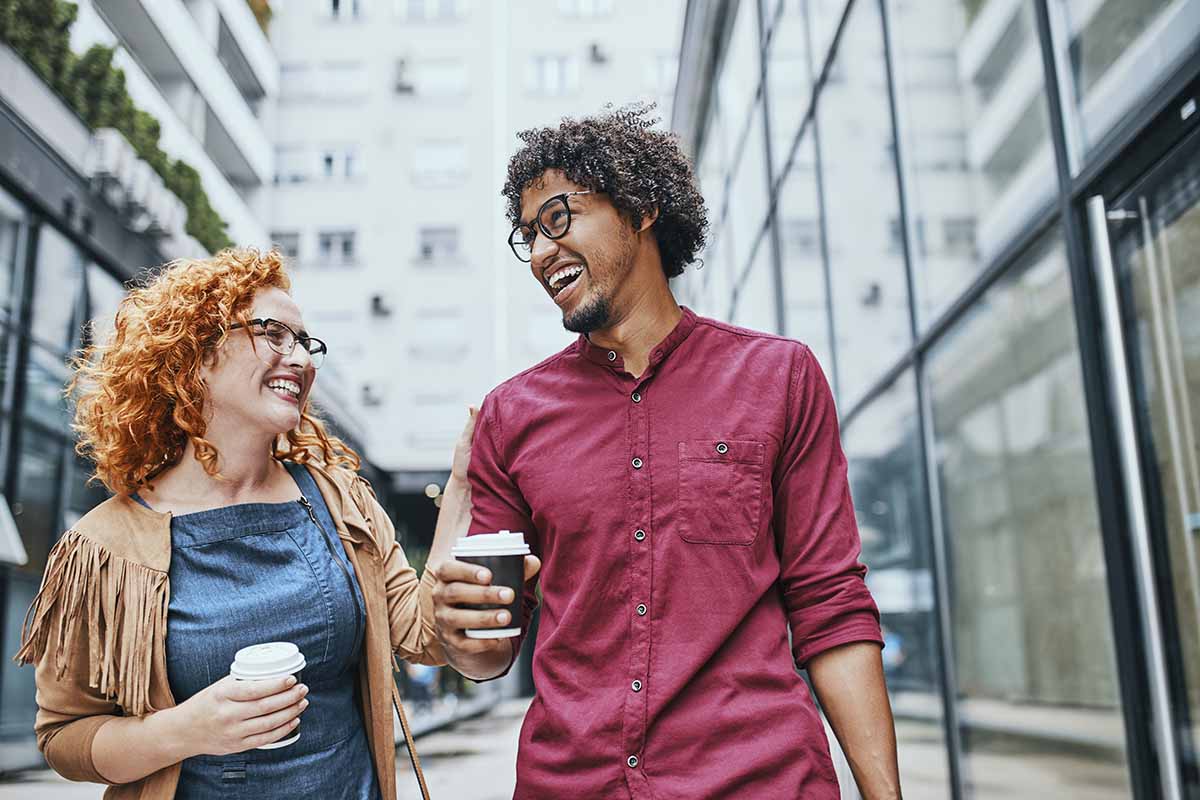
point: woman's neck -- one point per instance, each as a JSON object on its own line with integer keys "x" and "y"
{"x": 249, "y": 473}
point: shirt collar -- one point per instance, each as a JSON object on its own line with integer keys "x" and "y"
{"x": 611, "y": 358}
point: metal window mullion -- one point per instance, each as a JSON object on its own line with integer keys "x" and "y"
{"x": 819, "y": 172}
{"x": 772, "y": 220}
{"x": 1105, "y": 381}
{"x": 938, "y": 555}
{"x": 18, "y": 354}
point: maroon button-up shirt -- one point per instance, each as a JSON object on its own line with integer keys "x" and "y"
{"x": 686, "y": 520}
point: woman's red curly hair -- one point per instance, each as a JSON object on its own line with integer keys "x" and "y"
{"x": 139, "y": 394}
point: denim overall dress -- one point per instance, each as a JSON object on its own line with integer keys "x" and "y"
{"x": 265, "y": 572}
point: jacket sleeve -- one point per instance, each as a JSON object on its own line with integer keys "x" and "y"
{"x": 69, "y": 715}
{"x": 89, "y": 633}
{"x": 409, "y": 600}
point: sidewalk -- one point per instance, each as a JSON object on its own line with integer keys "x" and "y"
{"x": 473, "y": 759}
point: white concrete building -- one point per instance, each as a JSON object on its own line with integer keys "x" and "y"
{"x": 394, "y": 127}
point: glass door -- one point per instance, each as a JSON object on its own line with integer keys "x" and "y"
{"x": 1153, "y": 232}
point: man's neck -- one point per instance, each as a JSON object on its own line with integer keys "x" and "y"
{"x": 648, "y": 320}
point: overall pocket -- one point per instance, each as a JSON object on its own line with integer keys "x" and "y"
{"x": 720, "y": 490}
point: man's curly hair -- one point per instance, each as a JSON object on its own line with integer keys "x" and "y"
{"x": 618, "y": 152}
{"x": 139, "y": 393}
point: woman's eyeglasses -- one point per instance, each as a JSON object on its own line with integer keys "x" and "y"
{"x": 283, "y": 339}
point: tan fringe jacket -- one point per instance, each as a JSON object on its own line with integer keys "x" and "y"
{"x": 97, "y": 629}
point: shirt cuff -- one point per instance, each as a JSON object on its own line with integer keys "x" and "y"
{"x": 857, "y": 631}
{"x": 514, "y": 644}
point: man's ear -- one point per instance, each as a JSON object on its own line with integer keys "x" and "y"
{"x": 647, "y": 220}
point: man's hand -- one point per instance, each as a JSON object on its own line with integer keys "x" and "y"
{"x": 459, "y": 584}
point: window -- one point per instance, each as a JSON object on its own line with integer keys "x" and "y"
{"x": 896, "y": 243}
{"x": 339, "y": 162}
{"x": 884, "y": 466}
{"x": 941, "y": 151}
{"x": 1030, "y": 620}
{"x": 958, "y": 235}
{"x": 553, "y": 75}
{"x": 344, "y": 80}
{"x": 336, "y": 248}
{"x": 57, "y": 321}
{"x": 661, "y": 71}
{"x": 585, "y": 8}
{"x": 935, "y": 70}
{"x": 801, "y": 237}
{"x": 291, "y": 163}
{"x": 441, "y": 77}
{"x": 344, "y": 9}
{"x": 438, "y": 244}
{"x": 295, "y": 81}
{"x": 288, "y": 243}
{"x": 12, "y": 216}
{"x": 429, "y": 10}
{"x": 439, "y": 163}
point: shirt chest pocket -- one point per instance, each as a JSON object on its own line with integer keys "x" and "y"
{"x": 720, "y": 490}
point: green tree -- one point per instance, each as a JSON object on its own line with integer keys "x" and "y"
{"x": 40, "y": 30}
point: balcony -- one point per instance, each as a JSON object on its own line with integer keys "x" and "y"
{"x": 211, "y": 88}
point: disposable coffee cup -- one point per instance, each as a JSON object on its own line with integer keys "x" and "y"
{"x": 262, "y": 662}
{"x": 503, "y": 554}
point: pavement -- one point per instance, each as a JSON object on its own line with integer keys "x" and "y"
{"x": 473, "y": 759}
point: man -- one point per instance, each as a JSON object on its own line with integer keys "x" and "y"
{"x": 682, "y": 482}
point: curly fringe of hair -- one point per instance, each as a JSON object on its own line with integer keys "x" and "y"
{"x": 139, "y": 393}
{"x": 619, "y": 153}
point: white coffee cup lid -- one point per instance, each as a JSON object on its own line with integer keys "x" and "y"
{"x": 268, "y": 660}
{"x": 504, "y": 543}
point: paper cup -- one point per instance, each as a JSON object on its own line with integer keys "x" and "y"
{"x": 261, "y": 662}
{"x": 503, "y": 554}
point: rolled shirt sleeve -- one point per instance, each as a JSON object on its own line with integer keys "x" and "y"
{"x": 822, "y": 578}
{"x": 496, "y": 502}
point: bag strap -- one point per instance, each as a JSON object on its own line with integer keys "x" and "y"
{"x": 408, "y": 738}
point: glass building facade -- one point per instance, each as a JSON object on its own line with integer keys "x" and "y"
{"x": 983, "y": 216}
{"x": 49, "y": 287}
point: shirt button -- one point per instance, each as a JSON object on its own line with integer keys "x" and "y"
{"x": 612, "y": 356}
{"x": 637, "y": 397}
{"x": 722, "y": 448}
{"x": 641, "y": 609}
{"x": 639, "y": 534}
{"x": 637, "y": 463}
{"x": 637, "y": 686}
{"x": 632, "y": 761}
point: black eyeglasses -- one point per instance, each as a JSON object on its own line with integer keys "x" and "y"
{"x": 282, "y": 339}
{"x": 553, "y": 219}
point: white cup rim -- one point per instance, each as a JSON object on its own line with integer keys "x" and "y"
{"x": 278, "y": 669}
{"x": 490, "y": 551}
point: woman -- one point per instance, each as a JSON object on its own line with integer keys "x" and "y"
{"x": 236, "y": 519}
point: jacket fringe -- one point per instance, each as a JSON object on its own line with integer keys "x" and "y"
{"x": 124, "y": 607}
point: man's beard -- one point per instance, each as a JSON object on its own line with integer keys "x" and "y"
{"x": 589, "y": 317}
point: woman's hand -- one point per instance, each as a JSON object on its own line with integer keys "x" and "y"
{"x": 462, "y": 448}
{"x": 233, "y": 716}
